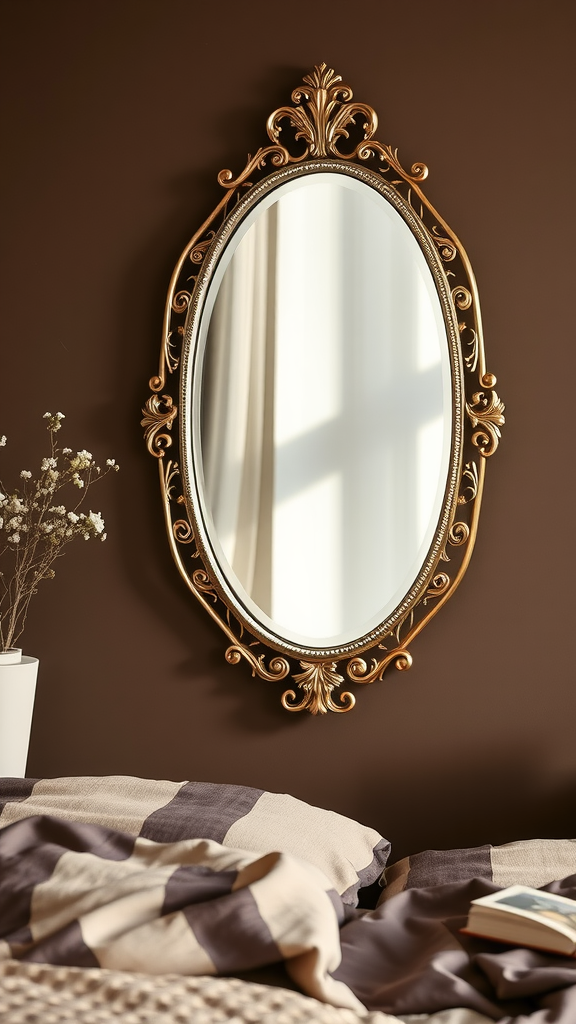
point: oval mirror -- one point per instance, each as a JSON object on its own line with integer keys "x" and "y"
{"x": 326, "y": 417}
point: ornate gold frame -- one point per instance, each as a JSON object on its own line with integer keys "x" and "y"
{"x": 322, "y": 116}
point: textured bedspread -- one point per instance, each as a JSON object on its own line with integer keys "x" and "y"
{"x": 40, "y": 994}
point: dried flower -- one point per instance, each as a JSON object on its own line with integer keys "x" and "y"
{"x": 35, "y": 528}
{"x": 54, "y": 420}
{"x": 82, "y": 460}
{"x": 97, "y": 522}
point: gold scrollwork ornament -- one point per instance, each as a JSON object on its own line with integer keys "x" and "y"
{"x": 318, "y": 681}
{"x": 487, "y": 413}
{"x": 159, "y": 415}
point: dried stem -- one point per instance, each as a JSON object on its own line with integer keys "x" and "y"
{"x": 35, "y": 529}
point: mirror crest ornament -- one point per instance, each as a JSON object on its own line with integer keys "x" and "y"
{"x": 311, "y": 136}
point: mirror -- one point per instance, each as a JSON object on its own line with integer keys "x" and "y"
{"x": 325, "y": 408}
{"x": 325, "y": 330}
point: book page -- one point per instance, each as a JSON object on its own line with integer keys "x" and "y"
{"x": 544, "y": 908}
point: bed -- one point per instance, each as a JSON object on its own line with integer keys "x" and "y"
{"x": 141, "y": 900}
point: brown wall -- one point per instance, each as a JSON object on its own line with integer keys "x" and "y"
{"x": 117, "y": 117}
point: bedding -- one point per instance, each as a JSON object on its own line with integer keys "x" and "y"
{"x": 110, "y": 920}
{"x": 533, "y": 862}
{"x": 349, "y": 854}
{"x": 47, "y": 995}
{"x": 88, "y": 896}
{"x": 43, "y": 994}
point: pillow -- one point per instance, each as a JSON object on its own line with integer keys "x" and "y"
{"x": 350, "y": 855}
{"x": 533, "y": 862}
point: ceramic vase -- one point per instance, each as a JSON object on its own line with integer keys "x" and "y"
{"x": 17, "y": 689}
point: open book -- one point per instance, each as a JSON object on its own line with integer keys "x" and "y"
{"x": 525, "y": 917}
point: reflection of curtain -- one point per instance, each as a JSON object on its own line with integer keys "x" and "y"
{"x": 237, "y": 434}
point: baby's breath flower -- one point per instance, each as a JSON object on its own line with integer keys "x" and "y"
{"x": 97, "y": 522}
{"x": 54, "y": 420}
{"x": 82, "y": 460}
{"x": 14, "y": 505}
{"x": 35, "y": 532}
{"x": 3, "y": 440}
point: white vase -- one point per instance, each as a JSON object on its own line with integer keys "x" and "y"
{"x": 17, "y": 688}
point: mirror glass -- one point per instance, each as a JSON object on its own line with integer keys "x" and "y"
{"x": 323, "y": 410}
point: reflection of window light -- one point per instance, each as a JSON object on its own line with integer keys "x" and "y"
{"x": 428, "y": 330}
{"x": 430, "y": 442}
{"x": 308, "y": 328}
{"x": 307, "y": 583}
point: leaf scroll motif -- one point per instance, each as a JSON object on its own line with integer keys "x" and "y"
{"x": 278, "y": 667}
{"x": 359, "y": 671}
{"x": 487, "y": 413}
{"x": 470, "y": 490}
{"x": 326, "y": 115}
{"x": 321, "y": 116}
{"x": 459, "y": 533}
{"x": 318, "y": 680}
{"x": 159, "y": 413}
{"x": 438, "y": 587}
{"x": 182, "y": 531}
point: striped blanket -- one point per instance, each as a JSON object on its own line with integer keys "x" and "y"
{"x": 85, "y": 895}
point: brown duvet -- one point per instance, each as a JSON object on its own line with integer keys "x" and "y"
{"x": 409, "y": 956}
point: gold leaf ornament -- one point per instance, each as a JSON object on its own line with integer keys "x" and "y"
{"x": 317, "y": 681}
{"x": 159, "y": 413}
{"x": 487, "y": 413}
